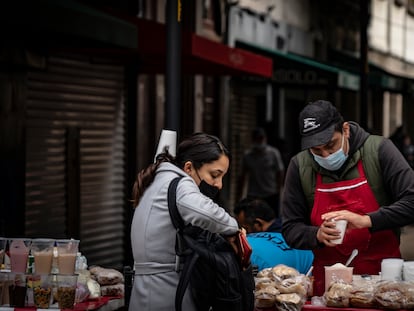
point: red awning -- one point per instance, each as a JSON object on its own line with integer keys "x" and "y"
{"x": 199, "y": 55}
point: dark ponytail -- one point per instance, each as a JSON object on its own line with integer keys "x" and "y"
{"x": 146, "y": 176}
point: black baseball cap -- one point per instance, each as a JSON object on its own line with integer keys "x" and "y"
{"x": 317, "y": 123}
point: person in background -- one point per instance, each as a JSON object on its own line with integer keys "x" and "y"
{"x": 344, "y": 172}
{"x": 202, "y": 160}
{"x": 262, "y": 171}
{"x": 268, "y": 245}
{"x": 256, "y": 215}
{"x": 397, "y": 137}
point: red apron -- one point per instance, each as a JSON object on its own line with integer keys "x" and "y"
{"x": 354, "y": 195}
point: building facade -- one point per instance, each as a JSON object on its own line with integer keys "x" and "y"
{"x": 83, "y": 103}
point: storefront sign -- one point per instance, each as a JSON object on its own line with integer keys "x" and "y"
{"x": 292, "y": 76}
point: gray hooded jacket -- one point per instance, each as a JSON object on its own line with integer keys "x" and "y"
{"x": 153, "y": 238}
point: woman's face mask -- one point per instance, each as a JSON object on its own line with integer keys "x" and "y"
{"x": 334, "y": 161}
{"x": 208, "y": 190}
{"x": 210, "y": 176}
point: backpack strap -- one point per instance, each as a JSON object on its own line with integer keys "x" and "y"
{"x": 178, "y": 223}
{"x": 176, "y": 219}
{"x": 184, "y": 281}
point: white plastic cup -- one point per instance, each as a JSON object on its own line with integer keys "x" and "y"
{"x": 391, "y": 269}
{"x": 17, "y": 289}
{"x": 340, "y": 225}
{"x": 19, "y": 249}
{"x": 42, "y": 290}
{"x": 42, "y": 251}
{"x": 408, "y": 271}
{"x": 66, "y": 259}
{"x": 66, "y": 291}
{"x": 168, "y": 139}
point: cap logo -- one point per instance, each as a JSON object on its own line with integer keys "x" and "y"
{"x": 309, "y": 124}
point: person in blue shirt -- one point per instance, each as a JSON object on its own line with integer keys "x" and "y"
{"x": 263, "y": 234}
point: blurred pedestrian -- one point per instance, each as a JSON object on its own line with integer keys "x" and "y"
{"x": 397, "y": 137}
{"x": 344, "y": 172}
{"x": 268, "y": 245}
{"x": 262, "y": 171}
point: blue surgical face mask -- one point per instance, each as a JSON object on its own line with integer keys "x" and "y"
{"x": 334, "y": 161}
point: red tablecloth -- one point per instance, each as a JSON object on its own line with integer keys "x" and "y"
{"x": 319, "y": 308}
{"x": 90, "y": 304}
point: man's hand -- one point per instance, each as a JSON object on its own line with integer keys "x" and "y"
{"x": 327, "y": 232}
{"x": 355, "y": 220}
{"x": 232, "y": 239}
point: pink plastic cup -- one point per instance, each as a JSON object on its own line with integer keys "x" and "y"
{"x": 19, "y": 252}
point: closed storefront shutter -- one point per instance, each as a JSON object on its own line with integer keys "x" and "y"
{"x": 75, "y": 156}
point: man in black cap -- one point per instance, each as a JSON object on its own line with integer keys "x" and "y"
{"x": 345, "y": 173}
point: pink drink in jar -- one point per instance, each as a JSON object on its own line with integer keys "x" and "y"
{"x": 19, "y": 252}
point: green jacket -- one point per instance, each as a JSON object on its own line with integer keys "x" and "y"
{"x": 369, "y": 155}
{"x": 388, "y": 173}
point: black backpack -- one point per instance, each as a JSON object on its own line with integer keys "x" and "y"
{"x": 210, "y": 266}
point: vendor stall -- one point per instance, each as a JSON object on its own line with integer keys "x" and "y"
{"x": 309, "y": 307}
{"x": 100, "y": 304}
{"x": 46, "y": 273}
{"x": 282, "y": 288}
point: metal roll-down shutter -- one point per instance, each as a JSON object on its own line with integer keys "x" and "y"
{"x": 75, "y": 156}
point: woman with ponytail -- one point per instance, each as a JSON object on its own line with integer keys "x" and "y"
{"x": 202, "y": 160}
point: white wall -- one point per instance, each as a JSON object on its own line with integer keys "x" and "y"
{"x": 397, "y": 26}
{"x": 377, "y": 31}
{"x": 293, "y": 12}
{"x": 409, "y": 40}
{"x": 391, "y": 30}
{"x": 289, "y": 20}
